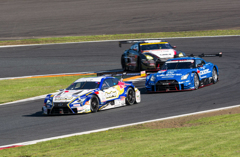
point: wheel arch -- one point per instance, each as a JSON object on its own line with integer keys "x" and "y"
{"x": 192, "y": 76}
{"x": 130, "y": 86}
{"x": 97, "y": 97}
{"x": 99, "y": 102}
{"x": 216, "y": 67}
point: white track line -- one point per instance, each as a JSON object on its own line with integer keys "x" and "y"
{"x": 119, "y": 126}
{"x": 20, "y": 77}
{"x": 25, "y": 100}
{"x": 119, "y": 40}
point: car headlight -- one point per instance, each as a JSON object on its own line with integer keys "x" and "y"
{"x": 152, "y": 78}
{"x": 184, "y": 77}
{"x": 81, "y": 101}
{"x": 149, "y": 57}
{"x": 180, "y": 55}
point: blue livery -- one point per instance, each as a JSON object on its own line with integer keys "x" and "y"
{"x": 186, "y": 73}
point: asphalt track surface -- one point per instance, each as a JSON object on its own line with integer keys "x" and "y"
{"x": 23, "y": 121}
{"x": 34, "y": 18}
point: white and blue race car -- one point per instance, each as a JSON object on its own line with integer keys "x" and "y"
{"x": 91, "y": 95}
{"x": 186, "y": 73}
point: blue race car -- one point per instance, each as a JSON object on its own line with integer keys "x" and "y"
{"x": 186, "y": 73}
{"x": 90, "y": 95}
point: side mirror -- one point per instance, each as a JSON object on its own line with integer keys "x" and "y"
{"x": 104, "y": 88}
{"x": 199, "y": 65}
{"x": 174, "y": 47}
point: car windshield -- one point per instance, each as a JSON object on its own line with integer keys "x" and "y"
{"x": 83, "y": 85}
{"x": 155, "y": 46}
{"x": 178, "y": 64}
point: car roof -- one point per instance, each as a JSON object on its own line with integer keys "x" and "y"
{"x": 152, "y": 41}
{"x": 92, "y": 79}
{"x": 184, "y": 58}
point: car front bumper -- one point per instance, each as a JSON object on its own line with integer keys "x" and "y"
{"x": 169, "y": 85}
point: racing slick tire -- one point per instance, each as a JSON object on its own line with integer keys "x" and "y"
{"x": 196, "y": 81}
{"x": 94, "y": 104}
{"x": 214, "y": 76}
{"x": 123, "y": 64}
{"x": 139, "y": 65}
{"x": 130, "y": 97}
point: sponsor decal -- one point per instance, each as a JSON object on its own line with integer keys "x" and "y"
{"x": 88, "y": 93}
{"x": 63, "y": 97}
{"x": 104, "y": 106}
{"x": 120, "y": 90}
{"x": 204, "y": 72}
{"x": 167, "y": 75}
{"x": 162, "y": 71}
{"x": 182, "y": 60}
{"x": 80, "y": 108}
{"x": 170, "y": 72}
{"x": 86, "y": 103}
{"x": 143, "y": 73}
{"x": 118, "y": 102}
{"x": 111, "y": 94}
{"x": 122, "y": 98}
{"x": 149, "y": 43}
{"x": 165, "y": 54}
{"x": 152, "y": 64}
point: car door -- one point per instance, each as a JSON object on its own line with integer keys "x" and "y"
{"x": 203, "y": 68}
{"x": 110, "y": 92}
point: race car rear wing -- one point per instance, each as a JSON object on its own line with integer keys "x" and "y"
{"x": 128, "y": 42}
{"x": 135, "y": 41}
{"x": 117, "y": 74}
{"x": 123, "y": 74}
{"x": 208, "y": 55}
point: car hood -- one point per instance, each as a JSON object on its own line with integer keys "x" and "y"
{"x": 161, "y": 53}
{"x": 173, "y": 73}
{"x": 69, "y": 95}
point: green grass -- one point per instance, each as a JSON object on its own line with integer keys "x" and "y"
{"x": 120, "y": 37}
{"x": 213, "y": 136}
{"x": 17, "y": 89}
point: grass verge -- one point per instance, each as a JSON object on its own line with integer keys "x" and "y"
{"x": 17, "y": 89}
{"x": 209, "y": 136}
{"x": 119, "y": 37}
